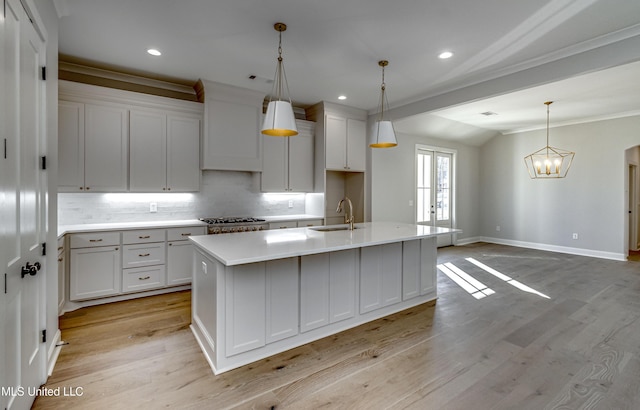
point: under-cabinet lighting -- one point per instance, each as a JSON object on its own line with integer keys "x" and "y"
{"x": 148, "y": 197}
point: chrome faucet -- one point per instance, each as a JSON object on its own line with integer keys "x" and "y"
{"x": 348, "y": 218}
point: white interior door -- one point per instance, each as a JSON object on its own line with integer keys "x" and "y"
{"x": 434, "y": 187}
{"x": 23, "y": 219}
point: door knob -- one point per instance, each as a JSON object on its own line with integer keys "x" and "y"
{"x": 30, "y": 269}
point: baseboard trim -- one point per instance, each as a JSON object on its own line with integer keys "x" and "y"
{"x": 546, "y": 247}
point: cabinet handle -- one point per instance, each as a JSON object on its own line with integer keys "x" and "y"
{"x": 142, "y": 255}
{"x": 145, "y": 278}
{"x": 185, "y": 234}
{"x": 81, "y": 188}
{"x": 88, "y": 188}
{"x": 144, "y": 237}
{"x": 117, "y": 249}
{"x": 95, "y": 240}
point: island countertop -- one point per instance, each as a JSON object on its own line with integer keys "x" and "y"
{"x": 248, "y": 247}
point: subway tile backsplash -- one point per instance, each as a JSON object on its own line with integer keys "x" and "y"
{"x": 223, "y": 193}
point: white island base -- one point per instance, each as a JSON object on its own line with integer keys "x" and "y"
{"x": 301, "y": 292}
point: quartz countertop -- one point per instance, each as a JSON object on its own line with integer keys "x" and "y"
{"x": 80, "y": 228}
{"x": 248, "y": 247}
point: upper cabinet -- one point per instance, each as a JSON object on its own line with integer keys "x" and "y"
{"x": 345, "y": 143}
{"x": 116, "y": 141}
{"x": 164, "y": 152}
{"x": 93, "y": 151}
{"x": 232, "y": 122}
{"x": 287, "y": 164}
{"x": 341, "y": 142}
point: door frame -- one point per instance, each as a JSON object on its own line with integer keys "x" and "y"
{"x": 443, "y": 240}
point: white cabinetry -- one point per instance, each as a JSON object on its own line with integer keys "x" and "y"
{"x": 380, "y": 276}
{"x": 164, "y": 152}
{"x": 288, "y": 161}
{"x": 232, "y": 138}
{"x": 418, "y": 269}
{"x": 327, "y": 288}
{"x": 345, "y": 143}
{"x": 95, "y": 265}
{"x": 93, "y": 147}
{"x": 282, "y": 299}
{"x": 180, "y": 254}
{"x": 143, "y": 260}
{"x": 103, "y": 133}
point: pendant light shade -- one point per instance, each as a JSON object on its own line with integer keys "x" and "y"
{"x": 549, "y": 162}
{"x": 382, "y": 133}
{"x": 280, "y": 120}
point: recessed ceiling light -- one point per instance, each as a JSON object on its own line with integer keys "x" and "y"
{"x": 488, "y": 113}
{"x": 154, "y": 52}
{"x": 342, "y": 97}
{"x": 445, "y": 54}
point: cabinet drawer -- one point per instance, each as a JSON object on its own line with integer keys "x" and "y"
{"x": 90, "y": 240}
{"x": 138, "y": 279}
{"x": 314, "y": 222}
{"x": 283, "y": 225}
{"x": 181, "y": 234}
{"x": 143, "y": 255}
{"x": 143, "y": 236}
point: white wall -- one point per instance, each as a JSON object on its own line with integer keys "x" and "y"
{"x": 545, "y": 213}
{"x": 393, "y": 185}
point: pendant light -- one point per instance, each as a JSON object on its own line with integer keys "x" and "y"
{"x": 280, "y": 120}
{"x": 382, "y": 132}
{"x": 549, "y": 162}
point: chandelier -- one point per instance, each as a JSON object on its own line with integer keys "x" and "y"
{"x": 549, "y": 162}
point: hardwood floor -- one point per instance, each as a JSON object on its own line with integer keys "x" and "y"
{"x": 579, "y": 349}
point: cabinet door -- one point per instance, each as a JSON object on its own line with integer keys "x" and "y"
{"x": 410, "y": 269}
{"x": 183, "y": 154}
{"x": 245, "y": 295}
{"x": 179, "y": 263}
{"x": 314, "y": 291}
{"x": 282, "y": 299}
{"x": 428, "y": 259}
{"x": 335, "y": 140}
{"x": 147, "y": 151}
{"x": 70, "y": 146}
{"x": 94, "y": 272}
{"x": 274, "y": 176}
{"x": 301, "y": 159}
{"x": 106, "y": 140}
{"x": 342, "y": 284}
{"x": 356, "y": 145}
{"x": 380, "y": 276}
{"x": 144, "y": 278}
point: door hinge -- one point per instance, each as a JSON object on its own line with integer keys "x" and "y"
{"x": 44, "y": 249}
{"x": 43, "y": 162}
{"x": 5, "y": 284}
{"x": 44, "y": 336}
{"x": 44, "y": 73}
{"x": 5, "y": 148}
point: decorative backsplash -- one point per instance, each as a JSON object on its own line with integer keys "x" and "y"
{"x": 223, "y": 193}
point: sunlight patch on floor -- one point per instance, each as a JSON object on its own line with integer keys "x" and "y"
{"x": 506, "y": 278}
{"x": 474, "y": 287}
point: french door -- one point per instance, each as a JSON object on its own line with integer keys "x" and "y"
{"x": 434, "y": 188}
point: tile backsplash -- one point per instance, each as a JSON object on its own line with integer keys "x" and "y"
{"x": 223, "y": 193}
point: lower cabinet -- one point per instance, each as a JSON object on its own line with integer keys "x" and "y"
{"x": 261, "y": 304}
{"x": 95, "y": 272}
{"x": 134, "y": 261}
{"x": 380, "y": 276}
{"x": 418, "y": 271}
{"x": 327, "y": 288}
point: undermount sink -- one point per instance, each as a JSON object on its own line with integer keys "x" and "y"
{"x": 333, "y": 228}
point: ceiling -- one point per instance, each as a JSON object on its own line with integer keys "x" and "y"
{"x": 332, "y": 48}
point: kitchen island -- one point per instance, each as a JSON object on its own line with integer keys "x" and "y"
{"x": 255, "y": 294}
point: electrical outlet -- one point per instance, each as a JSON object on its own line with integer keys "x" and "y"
{"x": 291, "y": 203}
{"x": 153, "y": 207}
{"x": 497, "y": 228}
{"x": 411, "y": 202}
{"x": 575, "y": 236}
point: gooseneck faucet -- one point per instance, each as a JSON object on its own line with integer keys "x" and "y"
{"x": 348, "y": 218}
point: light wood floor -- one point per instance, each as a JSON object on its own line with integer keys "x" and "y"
{"x": 580, "y": 349}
